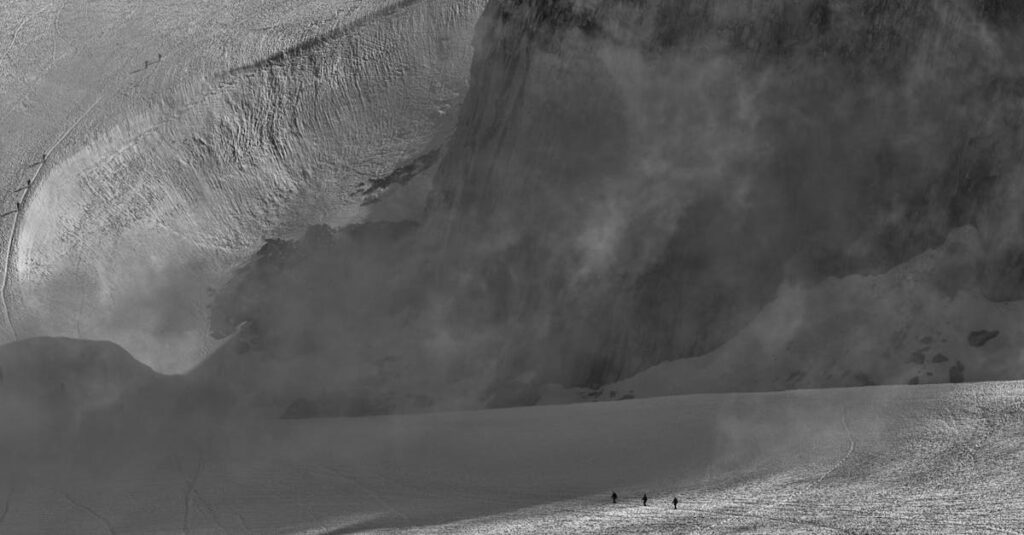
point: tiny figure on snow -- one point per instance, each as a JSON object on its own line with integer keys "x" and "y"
{"x": 675, "y": 503}
{"x": 17, "y": 206}
{"x": 644, "y": 499}
{"x": 615, "y": 498}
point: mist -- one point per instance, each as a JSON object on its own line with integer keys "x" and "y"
{"x": 632, "y": 183}
{"x": 369, "y": 266}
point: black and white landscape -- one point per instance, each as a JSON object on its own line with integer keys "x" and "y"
{"x": 471, "y": 266}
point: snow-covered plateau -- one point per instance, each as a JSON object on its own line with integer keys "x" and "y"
{"x": 886, "y": 459}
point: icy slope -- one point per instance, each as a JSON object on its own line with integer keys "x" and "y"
{"x": 930, "y": 459}
{"x": 142, "y": 207}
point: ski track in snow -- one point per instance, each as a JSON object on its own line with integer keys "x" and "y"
{"x": 192, "y": 490}
{"x": 26, "y": 196}
{"x": 849, "y": 451}
{"x": 375, "y": 496}
{"x": 776, "y": 519}
{"x": 14, "y": 37}
{"x": 7, "y": 504}
{"x": 92, "y": 512}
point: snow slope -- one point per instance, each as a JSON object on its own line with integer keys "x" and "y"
{"x": 182, "y": 155}
{"x": 916, "y": 323}
{"x": 47, "y": 385}
{"x": 928, "y": 459}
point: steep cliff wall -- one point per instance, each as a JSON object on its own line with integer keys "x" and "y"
{"x": 668, "y": 164}
{"x": 631, "y": 182}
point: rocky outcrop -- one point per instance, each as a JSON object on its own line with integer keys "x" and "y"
{"x": 980, "y": 338}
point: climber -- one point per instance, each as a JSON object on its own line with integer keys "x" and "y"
{"x": 615, "y": 498}
{"x": 675, "y": 503}
{"x": 644, "y": 499}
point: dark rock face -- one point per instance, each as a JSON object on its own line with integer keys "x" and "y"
{"x": 401, "y": 175}
{"x": 956, "y": 372}
{"x": 980, "y": 338}
{"x": 630, "y": 181}
{"x": 300, "y": 409}
{"x": 717, "y": 148}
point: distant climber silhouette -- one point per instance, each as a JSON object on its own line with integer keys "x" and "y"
{"x": 615, "y": 497}
{"x": 644, "y": 499}
{"x": 675, "y": 503}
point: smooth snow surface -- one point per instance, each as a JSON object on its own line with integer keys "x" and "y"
{"x": 925, "y": 459}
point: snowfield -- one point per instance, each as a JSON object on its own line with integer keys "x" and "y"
{"x": 923, "y": 459}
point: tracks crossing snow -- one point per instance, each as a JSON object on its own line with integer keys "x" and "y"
{"x": 26, "y": 195}
{"x": 770, "y": 518}
{"x": 849, "y": 451}
{"x": 92, "y": 512}
{"x": 7, "y": 504}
